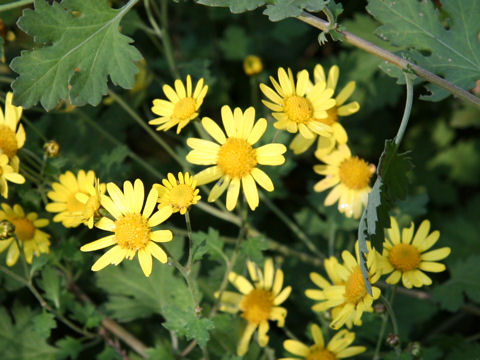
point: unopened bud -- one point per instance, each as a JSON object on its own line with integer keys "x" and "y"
{"x": 379, "y": 308}
{"x": 51, "y": 148}
{"x": 7, "y": 229}
{"x": 415, "y": 348}
{"x": 252, "y": 65}
{"x": 393, "y": 340}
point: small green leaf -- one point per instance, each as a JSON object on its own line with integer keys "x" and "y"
{"x": 44, "y": 323}
{"x": 282, "y": 9}
{"x": 253, "y": 248}
{"x": 234, "y": 43}
{"x": 207, "y": 243}
{"x": 199, "y": 329}
{"x": 38, "y": 263}
{"x": 82, "y": 47}
{"x": 161, "y": 351}
{"x": 68, "y": 348}
{"x": 50, "y": 283}
{"x": 236, "y": 6}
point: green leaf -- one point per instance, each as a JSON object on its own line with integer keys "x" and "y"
{"x": 38, "y": 263}
{"x": 466, "y": 351}
{"x": 86, "y": 314}
{"x": 44, "y": 323}
{"x": 82, "y": 47}
{"x": 464, "y": 279}
{"x": 199, "y": 329}
{"x": 111, "y": 161}
{"x": 50, "y": 283}
{"x": 282, "y": 9}
{"x": 253, "y": 248}
{"x": 234, "y": 43}
{"x": 19, "y": 338}
{"x": 236, "y": 6}
{"x": 161, "y": 351}
{"x": 207, "y": 243}
{"x": 68, "y": 348}
{"x": 452, "y": 53}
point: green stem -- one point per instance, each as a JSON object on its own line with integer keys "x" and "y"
{"x": 166, "y": 37}
{"x": 188, "y": 266}
{"x": 330, "y": 18}
{"x": 34, "y": 128}
{"x": 394, "y": 59}
{"x": 331, "y": 238}
{"x": 406, "y": 111}
{"x": 381, "y": 334}
{"x": 14, "y": 5}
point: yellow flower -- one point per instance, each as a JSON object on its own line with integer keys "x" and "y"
{"x": 406, "y": 259}
{"x": 76, "y": 199}
{"x": 349, "y": 298}
{"x": 8, "y": 173}
{"x": 349, "y": 175}
{"x": 33, "y": 240}
{"x": 252, "y": 65}
{"x": 299, "y": 108}
{"x": 337, "y": 347}
{"x": 178, "y": 194}
{"x": 234, "y": 158}
{"x": 301, "y": 144}
{"x": 182, "y": 106}
{"x": 12, "y": 133}
{"x": 132, "y": 228}
{"x": 258, "y": 302}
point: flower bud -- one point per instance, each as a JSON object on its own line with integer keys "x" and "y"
{"x": 393, "y": 340}
{"x": 379, "y": 308}
{"x": 252, "y": 65}
{"x": 7, "y": 229}
{"x": 415, "y": 349}
{"x": 52, "y": 148}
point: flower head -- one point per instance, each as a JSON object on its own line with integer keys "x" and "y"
{"x": 258, "y": 302}
{"x": 234, "y": 158}
{"x": 182, "y": 105}
{"x": 12, "y": 133}
{"x": 297, "y": 107}
{"x": 8, "y": 173}
{"x": 76, "y": 199}
{"x": 178, "y": 194}
{"x": 350, "y": 178}
{"x": 337, "y": 348}
{"x": 132, "y": 228}
{"x": 405, "y": 255}
{"x": 348, "y": 298}
{"x": 252, "y": 65}
{"x": 33, "y": 240}
{"x": 301, "y": 144}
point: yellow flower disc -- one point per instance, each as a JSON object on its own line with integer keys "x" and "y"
{"x": 355, "y": 286}
{"x": 182, "y": 196}
{"x": 298, "y": 109}
{"x": 8, "y": 141}
{"x": 236, "y": 158}
{"x": 184, "y": 108}
{"x": 355, "y": 173}
{"x": 132, "y": 232}
{"x": 24, "y": 228}
{"x": 257, "y": 306}
{"x": 320, "y": 354}
{"x": 404, "y": 257}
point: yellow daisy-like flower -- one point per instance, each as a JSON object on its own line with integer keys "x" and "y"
{"x": 76, "y": 199}
{"x": 234, "y": 158}
{"x": 405, "y": 255}
{"x": 8, "y": 173}
{"x": 349, "y": 175}
{"x": 349, "y": 298}
{"x": 297, "y": 107}
{"x": 301, "y": 144}
{"x": 252, "y": 65}
{"x": 12, "y": 133}
{"x": 258, "y": 303}
{"x": 132, "y": 228}
{"x": 337, "y": 348}
{"x": 182, "y": 106}
{"x": 178, "y": 194}
{"x": 33, "y": 240}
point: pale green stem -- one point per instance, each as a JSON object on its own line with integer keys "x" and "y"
{"x": 14, "y": 5}
{"x": 188, "y": 266}
{"x": 166, "y": 37}
{"x": 330, "y": 18}
{"x": 406, "y": 111}
{"x": 376, "y": 354}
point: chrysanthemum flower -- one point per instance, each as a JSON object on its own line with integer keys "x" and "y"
{"x": 296, "y": 107}
{"x": 178, "y": 194}
{"x": 33, "y": 240}
{"x": 132, "y": 228}
{"x": 337, "y": 348}
{"x": 258, "y": 303}
{"x": 252, "y": 65}
{"x": 8, "y": 173}
{"x": 182, "y": 106}
{"x": 300, "y": 144}
{"x": 349, "y": 298}
{"x": 75, "y": 198}
{"x": 349, "y": 175}
{"x": 234, "y": 158}
{"x": 407, "y": 259}
{"x": 12, "y": 133}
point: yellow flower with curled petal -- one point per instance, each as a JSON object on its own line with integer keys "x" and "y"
{"x": 259, "y": 302}
{"x": 12, "y": 133}
{"x": 8, "y": 173}
{"x": 406, "y": 257}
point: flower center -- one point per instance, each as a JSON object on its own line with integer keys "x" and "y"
{"x": 237, "y": 158}
{"x": 132, "y": 232}
{"x": 355, "y": 286}
{"x": 181, "y": 196}
{"x": 24, "y": 228}
{"x": 257, "y": 306}
{"x": 332, "y": 116}
{"x": 317, "y": 353}
{"x": 298, "y": 109}
{"x": 184, "y": 108}
{"x": 8, "y": 141}
{"x": 73, "y": 205}
{"x": 404, "y": 257}
{"x": 355, "y": 173}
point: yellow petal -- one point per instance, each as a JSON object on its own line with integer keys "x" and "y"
{"x": 145, "y": 260}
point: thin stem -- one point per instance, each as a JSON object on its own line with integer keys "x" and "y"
{"x": 381, "y": 334}
{"x": 331, "y": 238}
{"x": 391, "y": 313}
{"x": 34, "y": 128}
{"x": 407, "y": 111}
{"x": 331, "y": 19}
{"x": 166, "y": 36}
{"x": 188, "y": 266}
{"x": 394, "y": 59}
{"x": 14, "y": 5}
